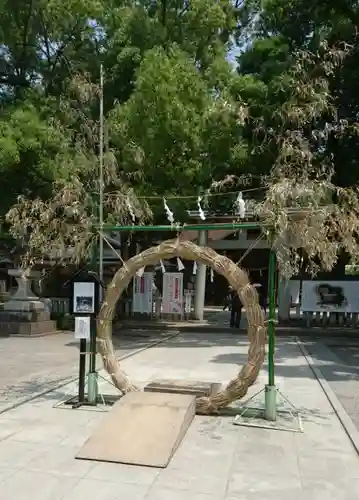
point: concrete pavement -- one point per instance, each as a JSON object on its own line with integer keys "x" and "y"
{"x": 216, "y": 460}
{"x": 33, "y": 366}
{"x": 217, "y": 321}
{"x": 338, "y": 362}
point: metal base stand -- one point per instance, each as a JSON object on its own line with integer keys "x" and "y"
{"x": 93, "y": 399}
{"x": 278, "y": 413}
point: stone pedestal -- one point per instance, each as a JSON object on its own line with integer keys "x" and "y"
{"x": 24, "y": 313}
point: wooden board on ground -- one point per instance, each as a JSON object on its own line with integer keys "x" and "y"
{"x": 142, "y": 428}
{"x": 193, "y": 388}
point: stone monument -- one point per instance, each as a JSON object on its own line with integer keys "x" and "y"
{"x": 24, "y": 313}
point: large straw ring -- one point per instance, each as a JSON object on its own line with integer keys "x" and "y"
{"x": 237, "y": 278}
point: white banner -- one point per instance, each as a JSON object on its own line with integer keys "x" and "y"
{"x": 172, "y": 296}
{"x": 294, "y": 289}
{"x": 330, "y": 296}
{"x": 143, "y": 294}
{"x": 188, "y": 301}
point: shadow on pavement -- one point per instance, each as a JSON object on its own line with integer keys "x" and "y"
{"x": 341, "y": 368}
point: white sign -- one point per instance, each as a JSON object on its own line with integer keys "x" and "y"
{"x": 82, "y": 327}
{"x": 143, "y": 294}
{"x": 84, "y": 297}
{"x": 330, "y": 296}
{"x": 172, "y": 297}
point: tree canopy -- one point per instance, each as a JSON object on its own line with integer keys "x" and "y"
{"x": 198, "y": 95}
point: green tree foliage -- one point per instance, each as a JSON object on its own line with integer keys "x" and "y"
{"x": 298, "y": 77}
{"x": 284, "y": 27}
{"x": 178, "y": 118}
{"x": 165, "y": 70}
{"x": 171, "y": 122}
{"x": 175, "y": 124}
{"x": 31, "y": 149}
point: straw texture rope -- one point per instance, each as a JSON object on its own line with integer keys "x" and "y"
{"x": 236, "y": 388}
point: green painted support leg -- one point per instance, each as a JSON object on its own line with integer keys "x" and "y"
{"x": 270, "y": 403}
{"x": 270, "y": 389}
{"x": 92, "y": 387}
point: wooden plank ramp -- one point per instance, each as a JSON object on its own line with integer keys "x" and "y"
{"x": 142, "y": 428}
{"x": 191, "y": 387}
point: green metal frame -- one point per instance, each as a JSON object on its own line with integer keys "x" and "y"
{"x": 223, "y": 227}
{"x": 271, "y": 319}
{"x": 183, "y": 227}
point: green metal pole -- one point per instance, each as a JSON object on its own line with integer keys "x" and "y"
{"x": 271, "y": 390}
{"x": 271, "y": 319}
{"x": 92, "y": 378}
{"x": 184, "y": 227}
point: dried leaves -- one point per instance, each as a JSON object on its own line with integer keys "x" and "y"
{"x": 326, "y": 221}
{"x": 59, "y": 228}
{"x": 311, "y": 219}
{"x": 62, "y": 227}
{"x": 307, "y": 218}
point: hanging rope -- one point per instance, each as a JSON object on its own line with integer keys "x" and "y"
{"x": 113, "y": 249}
{"x": 260, "y": 237}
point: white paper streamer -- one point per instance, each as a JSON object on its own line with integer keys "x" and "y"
{"x": 211, "y": 275}
{"x": 130, "y": 210}
{"x": 194, "y": 268}
{"x": 180, "y": 264}
{"x": 169, "y": 213}
{"x": 163, "y": 269}
{"x": 140, "y": 272}
{"x": 241, "y": 206}
{"x": 201, "y": 213}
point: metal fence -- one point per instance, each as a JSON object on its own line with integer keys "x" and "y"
{"x": 60, "y": 305}
{"x": 331, "y": 319}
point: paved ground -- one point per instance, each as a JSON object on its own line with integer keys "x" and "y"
{"x": 338, "y": 360}
{"x": 216, "y": 461}
{"x": 31, "y": 366}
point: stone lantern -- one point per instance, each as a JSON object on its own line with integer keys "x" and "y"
{"x": 24, "y": 313}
